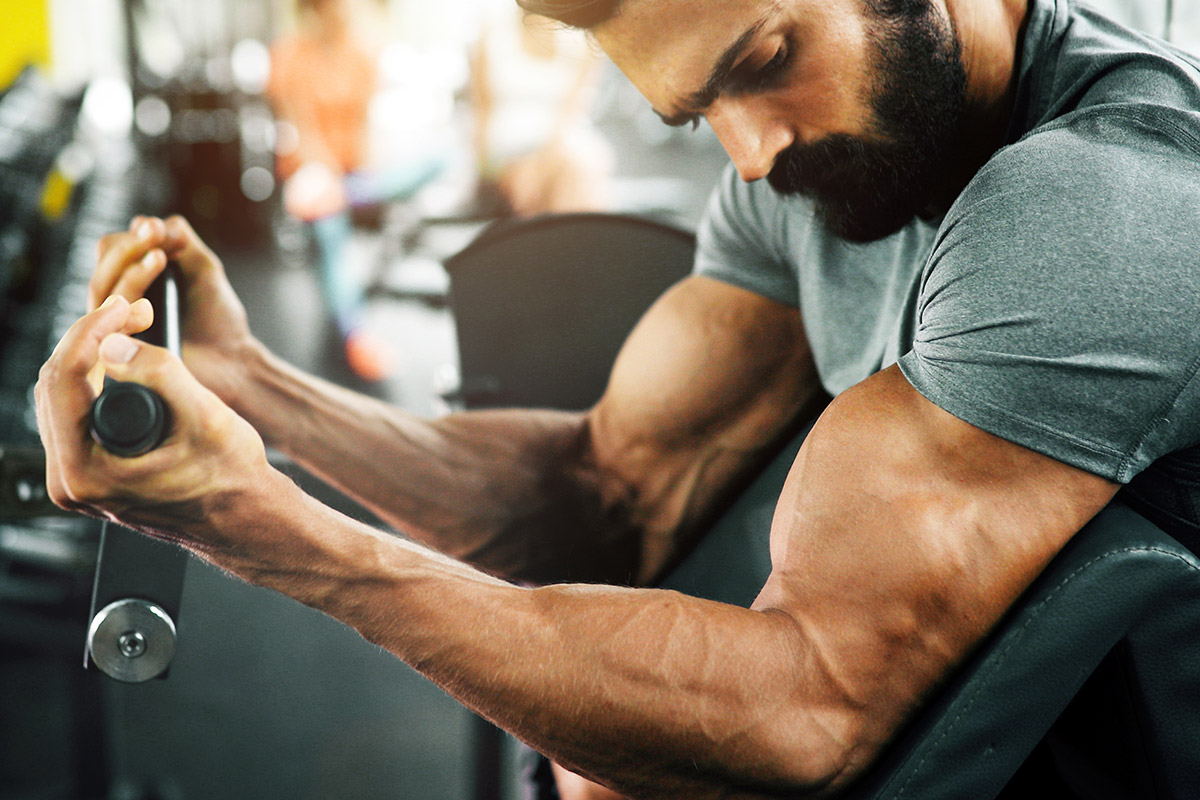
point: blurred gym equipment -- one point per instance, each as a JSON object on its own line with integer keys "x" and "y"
{"x": 60, "y": 190}
{"x": 197, "y": 72}
{"x": 543, "y": 305}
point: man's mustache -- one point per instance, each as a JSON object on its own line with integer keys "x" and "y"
{"x": 862, "y": 190}
{"x": 826, "y": 167}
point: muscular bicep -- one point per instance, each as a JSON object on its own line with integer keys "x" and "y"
{"x": 901, "y": 537}
{"x": 708, "y": 381}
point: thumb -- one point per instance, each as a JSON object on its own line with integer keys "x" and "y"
{"x": 124, "y": 420}
{"x": 117, "y": 351}
{"x": 128, "y": 359}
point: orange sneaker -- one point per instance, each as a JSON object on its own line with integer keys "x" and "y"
{"x": 368, "y": 356}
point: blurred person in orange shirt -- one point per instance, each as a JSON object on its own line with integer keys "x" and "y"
{"x": 323, "y": 79}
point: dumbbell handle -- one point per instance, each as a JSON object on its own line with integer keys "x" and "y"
{"x": 129, "y": 419}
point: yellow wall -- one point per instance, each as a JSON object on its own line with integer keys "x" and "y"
{"x": 24, "y": 36}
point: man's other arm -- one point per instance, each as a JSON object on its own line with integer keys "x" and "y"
{"x": 710, "y": 379}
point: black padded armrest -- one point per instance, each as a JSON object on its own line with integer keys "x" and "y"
{"x": 1120, "y": 580}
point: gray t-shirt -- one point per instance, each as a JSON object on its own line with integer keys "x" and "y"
{"x": 1057, "y": 304}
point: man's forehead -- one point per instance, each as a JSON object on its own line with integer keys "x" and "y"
{"x": 668, "y": 48}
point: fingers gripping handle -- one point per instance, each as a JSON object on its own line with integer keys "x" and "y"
{"x": 129, "y": 419}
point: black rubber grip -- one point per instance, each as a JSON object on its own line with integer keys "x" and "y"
{"x": 128, "y": 419}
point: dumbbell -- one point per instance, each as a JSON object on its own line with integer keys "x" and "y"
{"x": 138, "y": 580}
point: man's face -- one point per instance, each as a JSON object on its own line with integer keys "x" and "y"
{"x": 857, "y": 106}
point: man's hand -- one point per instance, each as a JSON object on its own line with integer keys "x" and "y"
{"x": 216, "y": 335}
{"x": 209, "y": 457}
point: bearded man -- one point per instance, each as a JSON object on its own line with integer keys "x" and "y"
{"x": 974, "y": 223}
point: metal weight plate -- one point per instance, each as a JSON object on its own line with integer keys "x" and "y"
{"x": 132, "y": 640}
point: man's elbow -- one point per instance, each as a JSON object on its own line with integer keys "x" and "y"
{"x": 803, "y": 735}
{"x": 814, "y": 728}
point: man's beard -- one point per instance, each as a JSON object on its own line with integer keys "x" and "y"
{"x": 868, "y": 188}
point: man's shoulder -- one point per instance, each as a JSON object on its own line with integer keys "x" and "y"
{"x": 1094, "y": 216}
{"x": 1113, "y": 158}
{"x": 1080, "y": 62}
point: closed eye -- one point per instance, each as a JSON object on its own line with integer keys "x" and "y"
{"x": 735, "y": 73}
{"x": 681, "y": 120}
{"x": 767, "y": 76}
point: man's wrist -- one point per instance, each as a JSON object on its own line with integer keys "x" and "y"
{"x": 251, "y": 522}
{"x": 253, "y": 371}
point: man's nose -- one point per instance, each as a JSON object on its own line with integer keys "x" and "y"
{"x": 750, "y": 134}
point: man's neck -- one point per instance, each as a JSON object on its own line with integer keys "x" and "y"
{"x": 991, "y": 32}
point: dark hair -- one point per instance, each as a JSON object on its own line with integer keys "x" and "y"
{"x": 576, "y": 13}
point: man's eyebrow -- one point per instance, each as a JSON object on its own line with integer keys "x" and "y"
{"x": 717, "y": 78}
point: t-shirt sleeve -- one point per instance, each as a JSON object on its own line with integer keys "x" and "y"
{"x": 738, "y": 241}
{"x": 1060, "y": 308}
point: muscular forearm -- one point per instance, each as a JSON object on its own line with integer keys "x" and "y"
{"x": 657, "y": 694}
{"x": 513, "y": 492}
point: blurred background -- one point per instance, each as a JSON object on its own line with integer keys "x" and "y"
{"x": 335, "y": 153}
